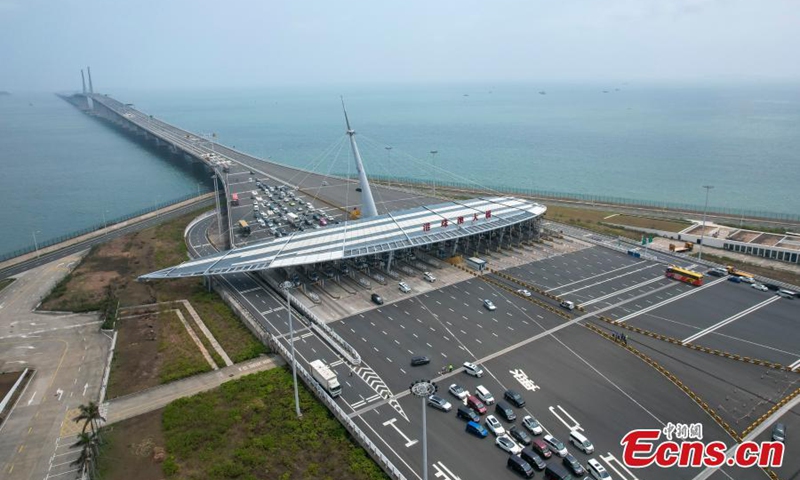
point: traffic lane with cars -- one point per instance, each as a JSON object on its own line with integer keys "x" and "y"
{"x": 697, "y": 309}
{"x": 791, "y": 460}
{"x": 389, "y": 336}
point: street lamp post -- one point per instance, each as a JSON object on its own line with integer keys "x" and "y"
{"x": 433, "y": 164}
{"x": 703, "y": 233}
{"x": 389, "y": 163}
{"x": 35, "y": 243}
{"x": 287, "y": 286}
{"x": 424, "y": 389}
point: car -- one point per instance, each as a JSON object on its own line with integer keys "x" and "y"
{"x": 504, "y": 410}
{"x": 484, "y": 394}
{"x": 344, "y": 268}
{"x": 520, "y": 466}
{"x": 475, "y": 403}
{"x": 524, "y": 292}
{"x": 597, "y": 471}
{"x": 473, "y": 370}
{"x": 458, "y": 391}
{"x": 505, "y": 443}
{"x": 494, "y": 426}
{"x": 377, "y": 299}
{"x": 532, "y": 425}
{"x": 313, "y": 276}
{"x": 735, "y": 279}
{"x": 404, "y": 287}
{"x": 439, "y": 403}
{"x": 574, "y": 465}
{"x": 420, "y": 360}
{"x": 581, "y": 442}
{"x": 468, "y": 414}
{"x": 489, "y": 305}
{"x": 779, "y": 433}
{"x": 717, "y": 272}
{"x": 760, "y": 286}
{"x": 748, "y": 280}
{"x": 520, "y": 436}
{"x": 541, "y": 448}
{"x": 555, "y": 445}
{"x": 533, "y": 458}
{"x": 786, "y": 294}
{"x": 515, "y": 398}
{"x": 568, "y": 305}
{"x": 428, "y": 277}
{"x": 477, "y": 429}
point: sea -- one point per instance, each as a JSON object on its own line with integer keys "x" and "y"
{"x": 64, "y": 171}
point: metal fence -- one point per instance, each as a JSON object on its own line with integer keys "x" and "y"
{"x": 341, "y": 415}
{"x": 93, "y": 228}
{"x": 591, "y": 199}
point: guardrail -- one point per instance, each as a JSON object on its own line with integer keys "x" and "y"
{"x": 340, "y": 415}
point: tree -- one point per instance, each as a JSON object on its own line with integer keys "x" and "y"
{"x": 88, "y": 441}
{"x": 90, "y": 415}
{"x": 85, "y": 461}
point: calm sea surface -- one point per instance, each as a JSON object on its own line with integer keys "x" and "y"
{"x": 62, "y": 169}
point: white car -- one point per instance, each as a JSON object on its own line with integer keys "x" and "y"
{"x": 760, "y": 286}
{"x": 439, "y": 403}
{"x": 524, "y": 292}
{"x": 472, "y": 369}
{"x": 489, "y": 305}
{"x": 404, "y": 287}
{"x": 555, "y": 445}
{"x": 458, "y": 391}
{"x": 747, "y": 280}
{"x": 568, "y": 305}
{"x": 428, "y": 277}
{"x": 509, "y": 446}
{"x": 532, "y": 425}
{"x": 596, "y": 470}
{"x": 494, "y": 426}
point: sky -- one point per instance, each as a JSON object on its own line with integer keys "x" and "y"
{"x": 168, "y": 44}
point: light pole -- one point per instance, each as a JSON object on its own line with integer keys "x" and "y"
{"x": 287, "y": 286}
{"x": 424, "y": 389}
{"x": 35, "y": 243}
{"x": 105, "y": 224}
{"x": 216, "y": 197}
{"x": 433, "y": 159}
{"x": 703, "y": 233}
{"x": 388, "y": 163}
{"x": 198, "y": 188}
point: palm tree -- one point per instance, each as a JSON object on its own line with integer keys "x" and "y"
{"x": 88, "y": 441}
{"x": 85, "y": 462}
{"x": 90, "y": 415}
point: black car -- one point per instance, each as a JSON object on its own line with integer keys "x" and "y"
{"x": 574, "y": 465}
{"x": 468, "y": 414}
{"x": 520, "y": 435}
{"x": 533, "y": 458}
{"x": 377, "y": 299}
{"x": 515, "y": 398}
{"x": 420, "y": 360}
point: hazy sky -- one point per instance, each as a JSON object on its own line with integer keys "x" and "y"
{"x": 209, "y": 43}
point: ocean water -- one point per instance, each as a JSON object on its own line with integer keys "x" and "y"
{"x": 63, "y": 171}
{"x": 649, "y": 142}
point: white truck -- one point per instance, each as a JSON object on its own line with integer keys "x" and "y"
{"x": 292, "y": 218}
{"x": 326, "y": 378}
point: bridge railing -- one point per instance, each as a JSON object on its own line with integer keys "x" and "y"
{"x": 92, "y": 228}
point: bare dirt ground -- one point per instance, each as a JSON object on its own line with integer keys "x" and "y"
{"x": 131, "y": 448}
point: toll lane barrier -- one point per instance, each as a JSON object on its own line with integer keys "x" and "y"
{"x": 700, "y": 348}
{"x": 771, "y": 411}
{"x": 672, "y": 378}
{"x": 528, "y": 286}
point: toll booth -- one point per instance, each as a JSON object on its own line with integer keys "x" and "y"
{"x": 476, "y": 263}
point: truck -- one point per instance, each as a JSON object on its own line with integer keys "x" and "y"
{"x": 326, "y": 378}
{"x": 292, "y": 218}
{"x": 738, "y": 273}
{"x": 687, "y": 247}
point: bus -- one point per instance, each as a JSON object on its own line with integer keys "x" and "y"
{"x": 235, "y": 199}
{"x": 684, "y": 275}
{"x": 244, "y": 227}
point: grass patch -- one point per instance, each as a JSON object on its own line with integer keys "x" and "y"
{"x": 654, "y": 223}
{"x": 182, "y": 358}
{"x": 6, "y": 282}
{"x": 769, "y": 272}
{"x": 246, "y": 429}
{"x": 588, "y": 219}
{"x": 235, "y": 338}
{"x": 129, "y": 448}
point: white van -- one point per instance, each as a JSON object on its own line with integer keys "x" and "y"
{"x": 484, "y": 395}
{"x": 581, "y": 442}
{"x": 786, "y": 293}
{"x": 596, "y": 470}
{"x": 472, "y": 369}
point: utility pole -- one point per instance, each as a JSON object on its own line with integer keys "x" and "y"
{"x": 703, "y": 233}
{"x": 424, "y": 389}
{"x": 433, "y": 160}
{"x": 216, "y": 197}
{"x": 389, "y": 163}
{"x": 35, "y": 244}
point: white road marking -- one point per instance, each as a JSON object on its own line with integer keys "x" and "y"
{"x": 619, "y": 292}
{"x": 730, "y": 319}
{"x": 673, "y": 299}
{"x": 31, "y": 399}
{"x": 443, "y": 472}
{"x": 390, "y": 423}
{"x": 611, "y": 461}
{"x": 574, "y": 426}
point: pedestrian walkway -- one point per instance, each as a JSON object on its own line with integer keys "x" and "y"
{"x": 154, "y": 398}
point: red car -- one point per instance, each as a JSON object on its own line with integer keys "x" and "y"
{"x": 541, "y": 448}
{"x": 477, "y": 405}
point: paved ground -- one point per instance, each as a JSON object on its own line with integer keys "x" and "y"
{"x": 68, "y": 353}
{"x": 154, "y": 398}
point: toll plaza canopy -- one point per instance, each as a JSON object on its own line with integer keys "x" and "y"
{"x": 383, "y": 233}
